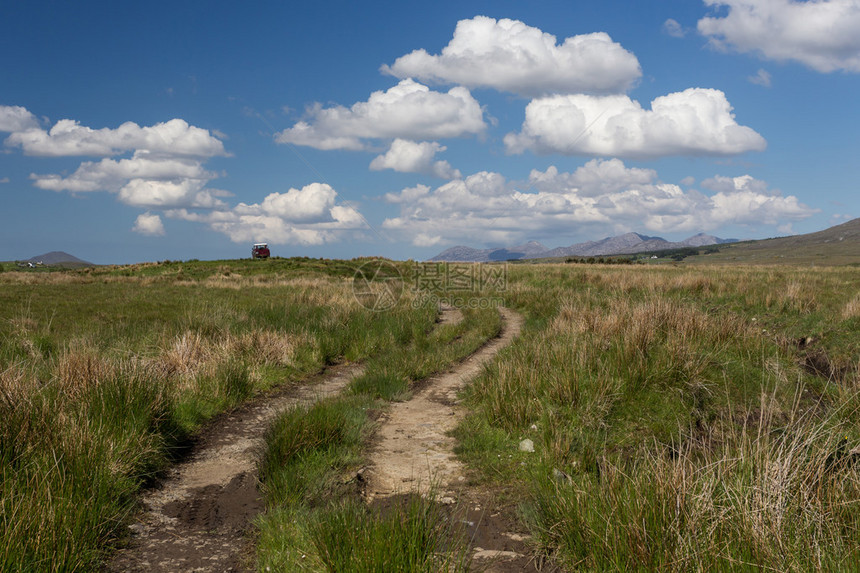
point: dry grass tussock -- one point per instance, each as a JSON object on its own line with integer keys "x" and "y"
{"x": 69, "y": 278}
{"x": 80, "y": 367}
{"x": 777, "y": 500}
{"x": 184, "y": 354}
{"x": 30, "y": 278}
{"x": 266, "y": 346}
{"x": 17, "y": 386}
{"x": 852, "y": 308}
{"x": 642, "y": 322}
{"x": 796, "y": 295}
{"x": 192, "y": 353}
{"x": 23, "y": 327}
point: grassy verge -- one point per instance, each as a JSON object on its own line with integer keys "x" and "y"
{"x": 106, "y": 373}
{"x": 683, "y": 419}
{"x": 315, "y": 520}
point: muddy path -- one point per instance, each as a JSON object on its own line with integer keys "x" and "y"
{"x": 413, "y": 453}
{"x": 198, "y": 518}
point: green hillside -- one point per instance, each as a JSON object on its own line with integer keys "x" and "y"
{"x": 839, "y": 245}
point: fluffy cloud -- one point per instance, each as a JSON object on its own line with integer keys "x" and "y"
{"x": 16, "y": 118}
{"x": 485, "y": 208}
{"x": 696, "y": 121}
{"x": 307, "y": 216}
{"x": 151, "y": 182}
{"x": 68, "y": 138}
{"x": 510, "y": 56}
{"x": 820, "y": 34}
{"x": 148, "y": 224}
{"x": 412, "y": 157}
{"x": 165, "y": 169}
{"x": 311, "y": 203}
{"x": 153, "y": 194}
{"x": 110, "y": 174}
{"x": 408, "y": 110}
{"x": 595, "y": 178}
{"x": 748, "y": 200}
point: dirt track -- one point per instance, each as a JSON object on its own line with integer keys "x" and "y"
{"x": 198, "y": 519}
{"x": 413, "y": 453}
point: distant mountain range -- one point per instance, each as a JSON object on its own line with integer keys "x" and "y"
{"x": 622, "y": 244}
{"x": 58, "y": 258}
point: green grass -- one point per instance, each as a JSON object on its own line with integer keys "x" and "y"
{"x": 106, "y": 373}
{"x": 675, "y": 427}
{"x": 315, "y": 520}
{"x": 684, "y": 418}
{"x": 413, "y": 535}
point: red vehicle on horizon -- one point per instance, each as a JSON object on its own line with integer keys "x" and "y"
{"x": 260, "y": 251}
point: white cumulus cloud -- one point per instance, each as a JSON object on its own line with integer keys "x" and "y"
{"x": 415, "y": 157}
{"x": 69, "y": 138}
{"x": 111, "y": 174}
{"x": 165, "y": 169}
{"x": 15, "y": 118}
{"x": 311, "y": 203}
{"x": 595, "y": 178}
{"x": 148, "y": 224}
{"x": 154, "y": 194}
{"x": 696, "y": 121}
{"x": 748, "y": 200}
{"x": 408, "y": 110}
{"x": 306, "y": 216}
{"x": 601, "y": 197}
{"x": 820, "y": 34}
{"x": 508, "y": 55}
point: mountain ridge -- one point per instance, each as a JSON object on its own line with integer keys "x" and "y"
{"x": 617, "y": 245}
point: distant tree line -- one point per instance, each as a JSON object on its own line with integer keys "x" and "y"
{"x": 675, "y": 254}
{"x": 601, "y": 261}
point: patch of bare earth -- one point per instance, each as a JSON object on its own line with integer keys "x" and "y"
{"x": 199, "y": 517}
{"x": 413, "y": 453}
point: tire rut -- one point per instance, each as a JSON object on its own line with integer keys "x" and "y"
{"x": 199, "y": 517}
{"x": 414, "y": 454}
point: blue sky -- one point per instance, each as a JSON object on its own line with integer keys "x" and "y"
{"x": 175, "y": 130}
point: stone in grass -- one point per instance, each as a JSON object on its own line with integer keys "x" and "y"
{"x": 560, "y": 476}
{"x": 527, "y": 445}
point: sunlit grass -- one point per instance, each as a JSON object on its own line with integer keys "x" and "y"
{"x": 675, "y": 425}
{"x": 315, "y": 519}
{"x": 106, "y": 373}
{"x": 684, "y": 418}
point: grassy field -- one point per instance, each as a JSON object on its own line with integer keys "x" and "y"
{"x": 316, "y": 520}
{"x": 106, "y": 373}
{"x": 696, "y": 418}
{"x": 684, "y": 418}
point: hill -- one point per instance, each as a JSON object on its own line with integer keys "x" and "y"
{"x": 59, "y": 259}
{"x": 839, "y": 245}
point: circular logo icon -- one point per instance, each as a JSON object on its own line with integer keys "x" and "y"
{"x": 377, "y": 285}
